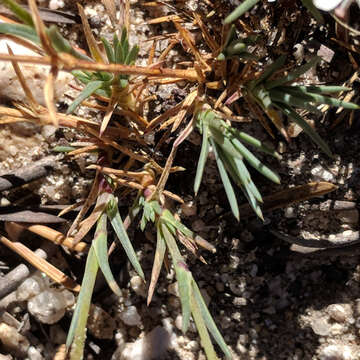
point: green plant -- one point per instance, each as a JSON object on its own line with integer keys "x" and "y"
{"x": 98, "y": 258}
{"x": 235, "y": 46}
{"x": 273, "y": 94}
{"x": 230, "y": 154}
{"x": 248, "y": 4}
{"x": 104, "y": 83}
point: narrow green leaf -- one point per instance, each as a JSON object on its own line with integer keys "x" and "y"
{"x": 101, "y": 251}
{"x": 21, "y": 31}
{"x": 254, "y": 142}
{"x": 210, "y": 324}
{"x": 119, "y": 55}
{"x": 170, "y": 241}
{"x": 118, "y": 226}
{"x": 292, "y": 75}
{"x": 62, "y": 45}
{"x": 245, "y": 177}
{"x": 287, "y": 110}
{"x": 224, "y": 142}
{"x": 202, "y": 158}
{"x": 183, "y": 275}
{"x": 158, "y": 261}
{"x": 263, "y": 95}
{"x": 88, "y": 90}
{"x": 321, "y": 99}
{"x": 77, "y": 331}
{"x": 169, "y": 218}
{"x": 109, "y": 51}
{"x": 202, "y": 330}
{"x": 319, "y": 89}
{"x": 184, "y": 279}
{"x": 240, "y": 10}
{"x": 227, "y": 184}
{"x": 132, "y": 55}
{"x": 19, "y": 11}
{"x": 291, "y": 99}
{"x": 236, "y": 47}
{"x": 81, "y": 76}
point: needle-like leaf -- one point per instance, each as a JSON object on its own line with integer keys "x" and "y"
{"x": 88, "y": 90}
{"x": 226, "y": 182}
{"x": 101, "y": 251}
{"x": 117, "y": 224}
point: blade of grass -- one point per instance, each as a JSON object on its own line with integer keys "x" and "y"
{"x": 203, "y": 331}
{"x": 88, "y": 90}
{"x": 118, "y": 226}
{"x": 101, "y": 251}
{"x": 19, "y": 11}
{"x": 77, "y": 331}
{"x": 254, "y": 142}
{"x": 240, "y": 10}
{"x": 183, "y": 275}
{"x": 314, "y": 136}
{"x": 210, "y": 324}
{"x": 226, "y": 182}
{"x": 202, "y": 158}
{"x": 255, "y": 162}
{"x": 93, "y": 46}
{"x": 293, "y": 75}
{"x": 21, "y": 31}
{"x": 158, "y": 261}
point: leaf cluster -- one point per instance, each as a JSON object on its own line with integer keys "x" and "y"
{"x": 281, "y": 94}
{"x": 231, "y": 154}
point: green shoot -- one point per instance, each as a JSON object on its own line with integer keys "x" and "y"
{"x": 281, "y": 95}
{"x": 230, "y": 153}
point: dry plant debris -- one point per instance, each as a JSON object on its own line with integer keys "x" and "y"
{"x": 231, "y": 73}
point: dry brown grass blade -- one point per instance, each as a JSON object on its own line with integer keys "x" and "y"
{"x": 162, "y": 19}
{"x": 187, "y": 104}
{"x": 111, "y": 10}
{"x": 40, "y": 29}
{"x": 50, "y": 234}
{"x": 89, "y": 201}
{"x": 276, "y": 119}
{"x": 255, "y": 109}
{"x": 51, "y": 271}
{"x": 109, "y": 111}
{"x": 163, "y": 117}
{"x": 187, "y": 39}
{"x": 210, "y": 40}
{"x": 69, "y": 63}
{"x": 131, "y": 174}
{"x": 127, "y": 15}
{"x": 91, "y": 220}
{"x": 49, "y": 95}
{"x": 293, "y": 195}
{"x": 92, "y": 44}
{"x": 83, "y": 150}
{"x": 29, "y": 95}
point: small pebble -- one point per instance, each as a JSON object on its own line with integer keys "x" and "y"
{"x": 100, "y": 324}
{"x": 336, "y": 352}
{"x": 130, "y": 316}
{"x": 13, "y": 341}
{"x": 321, "y": 326}
{"x": 339, "y": 312}
{"x": 47, "y": 307}
{"x": 138, "y": 285}
{"x": 189, "y": 208}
